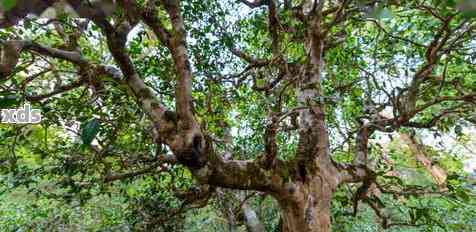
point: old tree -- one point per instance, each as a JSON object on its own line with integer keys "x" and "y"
{"x": 290, "y": 99}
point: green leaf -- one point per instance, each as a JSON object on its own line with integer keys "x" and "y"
{"x": 89, "y": 131}
{"x": 458, "y": 130}
{"x": 8, "y": 4}
{"x": 8, "y": 101}
{"x": 451, "y": 3}
{"x": 463, "y": 195}
{"x": 399, "y": 181}
{"x": 420, "y": 212}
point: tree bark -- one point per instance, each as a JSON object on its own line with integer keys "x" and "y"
{"x": 306, "y": 205}
{"x": 306, "y": 200}
{"x": 308, "y": 208}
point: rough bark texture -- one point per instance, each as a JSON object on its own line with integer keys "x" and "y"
{"x": 306, "y": 206}
{"x": 303, "y": 185}
{"x": 307, "y": 201}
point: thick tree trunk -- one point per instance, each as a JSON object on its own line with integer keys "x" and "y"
{"x": 310, "y": 214}
{"x": 306, "y": 206}
{"x": 295, "y": 217}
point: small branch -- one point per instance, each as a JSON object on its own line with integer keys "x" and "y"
{"x": 255, "y": 3}
{"x": 249, "y": 59}
{"x": 362, "y": 141}
{"x": 58, "y": 90}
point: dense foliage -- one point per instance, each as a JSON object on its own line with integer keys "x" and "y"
{"x": 216, "y": 115}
